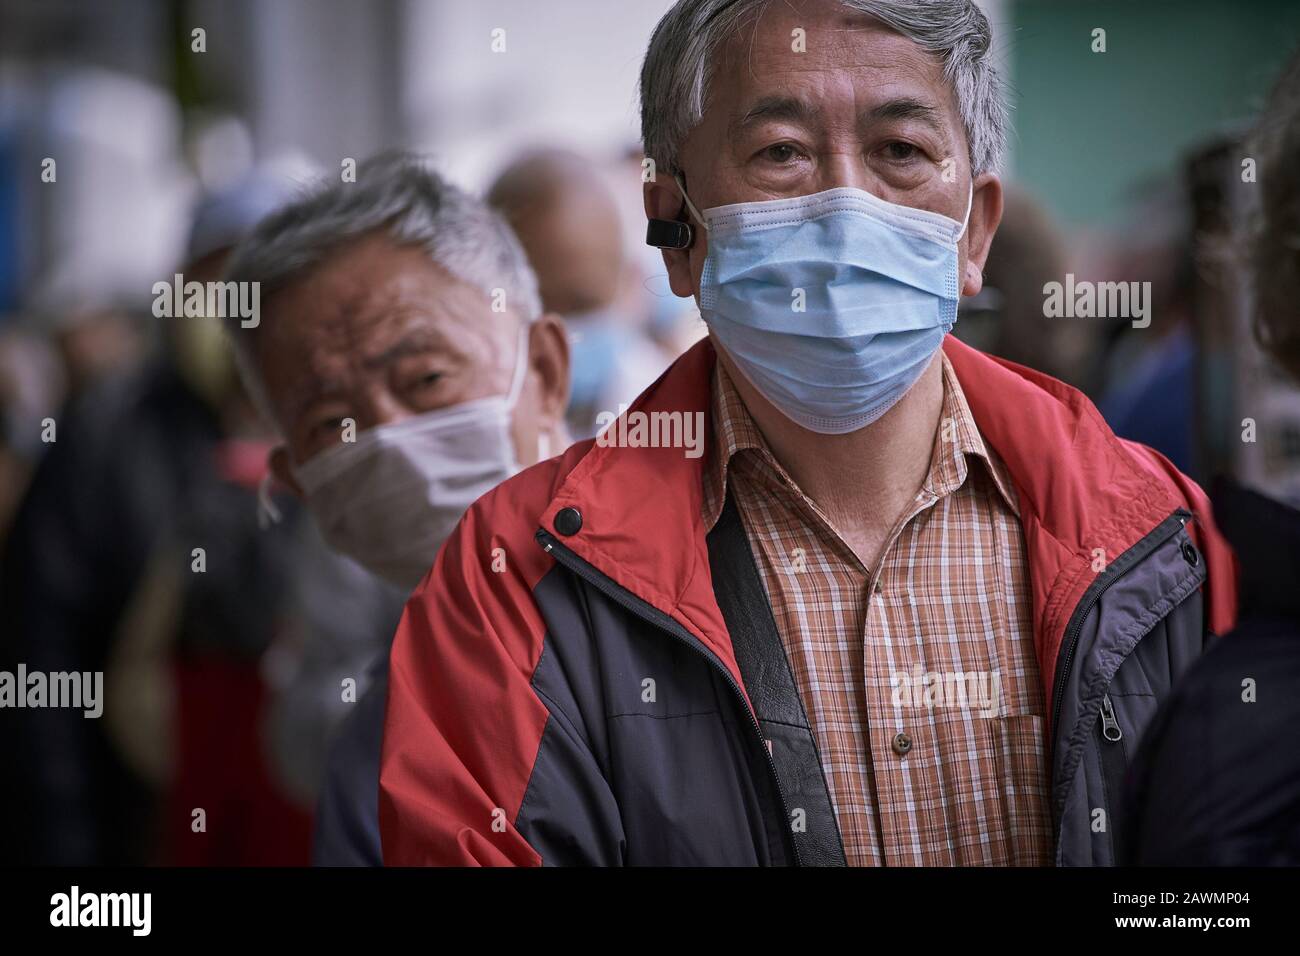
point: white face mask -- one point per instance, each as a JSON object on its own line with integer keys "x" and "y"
{"x": 389, "y": 499}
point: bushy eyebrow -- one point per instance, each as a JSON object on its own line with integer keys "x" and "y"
{"x": 907, "y": 108}
{"x": 777, "y": 108}
{"x": 416, "y": 341}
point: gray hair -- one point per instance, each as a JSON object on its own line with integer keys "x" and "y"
{"x": 414, "y": 206}
{"x": 678, "y": 68}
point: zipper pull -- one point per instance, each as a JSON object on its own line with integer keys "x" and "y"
{"x": 1109, "y": 725}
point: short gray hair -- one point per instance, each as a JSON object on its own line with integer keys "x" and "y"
{"x": 401, "y": 195}
{"x": 678, "y": 68}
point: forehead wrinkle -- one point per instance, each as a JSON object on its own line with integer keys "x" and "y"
{"x": 799, "y": 109}
{"x": 850, "y": 22}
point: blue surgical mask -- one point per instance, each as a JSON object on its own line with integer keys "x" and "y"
{"x": 833, "y": 304}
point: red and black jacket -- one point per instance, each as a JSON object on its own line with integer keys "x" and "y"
{"x": 586, "y": 677}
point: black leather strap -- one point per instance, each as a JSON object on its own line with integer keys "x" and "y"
{"x": 771, "y": 689}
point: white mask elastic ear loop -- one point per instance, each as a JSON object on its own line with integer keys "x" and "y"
{"x": 521, "y": 367}
{"x": 970, "y": 202}
{"x": 690, "y": 205}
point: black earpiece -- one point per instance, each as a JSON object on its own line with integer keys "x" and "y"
{"x": 669, "y": 234}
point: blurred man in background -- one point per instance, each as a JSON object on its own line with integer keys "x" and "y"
{"x": 1006, "y": 318}
{"x": 96, "y": 342}
{"x": 1217, "y": 779}
{"x": 566, "y": 219}
{"x": 1149, "y": 373}
{"x": 407, "y": 364}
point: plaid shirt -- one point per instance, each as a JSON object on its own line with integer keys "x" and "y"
{"x": 920, "y": 682}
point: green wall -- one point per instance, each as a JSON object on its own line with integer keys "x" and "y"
{"x": 1090, "y": 128}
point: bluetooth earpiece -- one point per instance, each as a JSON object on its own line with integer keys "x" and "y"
{"x": 673, "y": 233}
{"x": 669, "y": 234}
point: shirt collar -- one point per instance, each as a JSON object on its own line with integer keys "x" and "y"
{"x": 958, "y": 439}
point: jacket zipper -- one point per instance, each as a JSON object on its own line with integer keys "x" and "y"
{"x": 1110, "y": 728}
{"x": 653, "y": 616}
{"x": 1129, "y": 559}
{"x": 1158, "y": 536}
{"x": 1113, "y": 766}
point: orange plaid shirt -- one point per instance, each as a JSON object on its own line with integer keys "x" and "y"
{"x": 920, "y": 682}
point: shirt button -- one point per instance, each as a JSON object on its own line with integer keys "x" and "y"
{"x": 568, "y": 521}
{"x": 902, "y": 744}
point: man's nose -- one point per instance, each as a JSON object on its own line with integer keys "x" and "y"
{"x": 848, "y": 169}
{"x": 382, "y": 407}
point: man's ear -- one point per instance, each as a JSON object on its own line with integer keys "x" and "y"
{"x": 548, "y": 360}
{"x": 282, "y": 468}
{"x": 985, "y": 215}
{"x": 663, "y": 200}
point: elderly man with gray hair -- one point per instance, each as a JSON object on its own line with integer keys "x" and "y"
{"x": 402, "y": 354}
{"x": 912, "y": 606}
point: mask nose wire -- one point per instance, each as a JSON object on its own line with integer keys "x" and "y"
{"x": 677, "y": 177}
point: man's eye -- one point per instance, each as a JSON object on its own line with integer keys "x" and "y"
{"x": 900, "y": 152}
{"x": 427, "y": 380}
{"x": 328, "y": 426}
{"x": 780, "y": 153}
